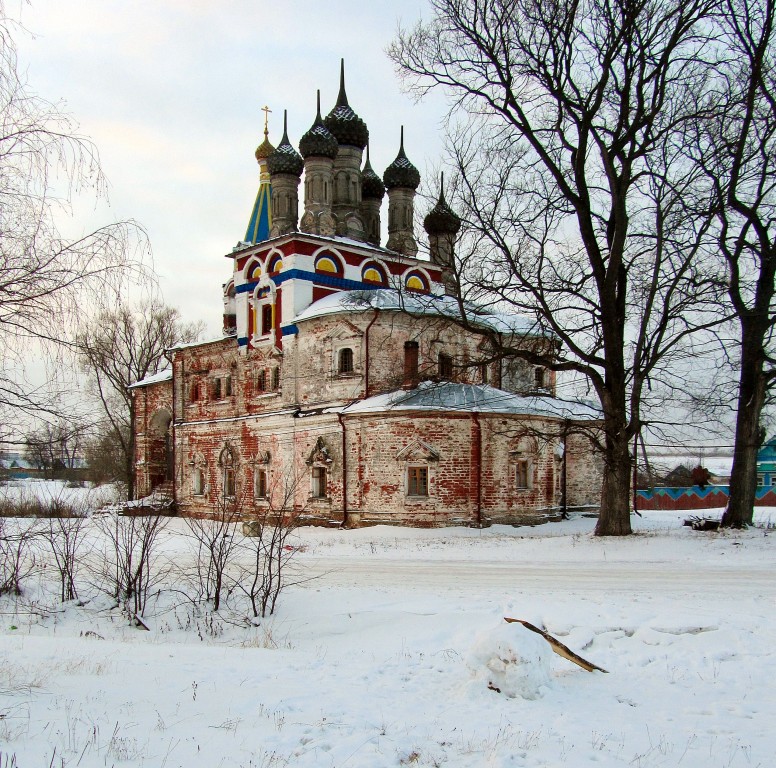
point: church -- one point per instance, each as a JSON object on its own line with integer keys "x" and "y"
{"x": 349, "y": 386}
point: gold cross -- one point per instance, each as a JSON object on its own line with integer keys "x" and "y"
{"x": 266, "y": 110}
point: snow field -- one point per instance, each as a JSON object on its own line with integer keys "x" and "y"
{"x": 383, "y": 656}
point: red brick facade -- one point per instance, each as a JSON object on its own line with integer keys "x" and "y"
{"x": 264, "y": 419}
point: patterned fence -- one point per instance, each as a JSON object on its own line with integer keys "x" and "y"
{"x": 712, "y": 496}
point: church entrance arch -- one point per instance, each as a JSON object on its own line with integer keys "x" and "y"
{"x": 160, "y": 453}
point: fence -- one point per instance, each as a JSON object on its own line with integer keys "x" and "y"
{"x": 695, "y": 497}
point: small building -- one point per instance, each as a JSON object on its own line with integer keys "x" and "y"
{"x": 766, "y": 464}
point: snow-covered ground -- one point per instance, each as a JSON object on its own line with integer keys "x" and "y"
{"x": 386, "y": 655}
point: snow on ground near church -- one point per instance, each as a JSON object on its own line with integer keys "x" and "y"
{"x": 384, "y": 656}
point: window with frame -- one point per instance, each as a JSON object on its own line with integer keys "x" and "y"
{"x": 522, "y": 474}
{"x": 216, "y": 389}
{"x": 198, "y": 482}
{"x": 194, "y": 391}
{"x": 227, "y": 386}
{"x": 445, "y": 363}
{"x": 417, "y": 481}
{"x": 276, "y": 378}
{"x": 261, "y": 380}
{"x": 229, "y": 485}
{"x": 760, "y": 481}
{"x": 260, "y": 483}
{"x": 345, "y": 361}
{"x": 319, "y": 482}
{"x": 483, "y": 373}
{"x": 540, "y": 378}
{"x": 266, "y": 319}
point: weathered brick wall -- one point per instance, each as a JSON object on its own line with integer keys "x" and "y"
{"x": 153, "y": 410}
{"x": 584, "y": 470}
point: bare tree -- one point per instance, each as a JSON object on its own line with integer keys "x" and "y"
{"x": 214, "y": 544}
{"x": 17, "y": 554}
{"x": 65, "y": 536}
{"x": 735, "y": 148}
{"x": 129, "y": 565}
{"x": 105, "y": 459}
{"x": 125, "y": 345}
{"x": 265, "y": 570}
{"x": 566, "y": 131}
{"x": 55, "y": 447}
{"x": 44, "y": 278}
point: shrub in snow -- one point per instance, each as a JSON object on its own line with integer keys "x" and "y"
{"x": 513, "y": 660}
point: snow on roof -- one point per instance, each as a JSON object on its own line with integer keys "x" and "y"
{"x": 390, "y": 299}
{"x": 215, "y": 340}
{"x": 165, "y": 375}
{"x": 474, "y": 398}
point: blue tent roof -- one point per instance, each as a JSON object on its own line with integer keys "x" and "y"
{"x": 261, "y": 217}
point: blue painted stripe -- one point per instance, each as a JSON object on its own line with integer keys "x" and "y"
{"x": 331, "y": 281}
{"x": 289, "y": 330}
{"x": 242, "y": 341}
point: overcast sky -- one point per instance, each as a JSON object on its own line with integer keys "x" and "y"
{"x": 171, "y": 91}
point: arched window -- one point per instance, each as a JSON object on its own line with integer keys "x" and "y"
{"x": 275, "y": 264}
{"x": 260, "y": 483}
{"x": 416, "y": 281}
{"x": 374, "y": 273}
{"x": 227, "y": 461}
{"x": 328, "y": 263}
{"x": 198, "y": 482}
{"x": 345, "y": 361}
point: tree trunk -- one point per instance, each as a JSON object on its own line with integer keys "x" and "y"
{"x": 614, "y": 517}
{"x": 751, "y": 398}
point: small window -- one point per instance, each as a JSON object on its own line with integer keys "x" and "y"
{"x": 522, "y": 474}
{"x": 194, "y": 391}
{"x": 227, "y": 386}
{"x": 410, "y": 363}
{"x": 345, "y": 363}
{"x": 417, "y": 481}
{"x": 276, "y": 378}
{"x": 260, "y": 484}
{"x": 319, "y": 481}
{"x": 261, "y": 380}
{"x": 198, "y": 482}
{"x": 760, "y": 481}
{"x": 540, "y": 378}
{"x": 216, "y": 389}
{"x": 445, "y": 366}
{"x": 266, "y": 319}
{"x": 483, "y": 373}
{"x": 228, "y": 482}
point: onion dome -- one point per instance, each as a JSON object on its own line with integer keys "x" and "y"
{"x": 285, "y": 159}
{"x": 371, "y": 184}
{"x": 441, "y": 219}
{"x": 348, "y": 128}
{"x": 265, "y": 149}
{"x": 401, "y": 172}
{"x": 319, "y": 141}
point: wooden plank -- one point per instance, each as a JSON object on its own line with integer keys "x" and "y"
{"x": 557, "y": 646}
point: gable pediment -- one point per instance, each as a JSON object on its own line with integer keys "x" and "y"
{"x": 417, "y": 450}
{"x": 343, "y": 330}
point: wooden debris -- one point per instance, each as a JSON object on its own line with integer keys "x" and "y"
{"x": 557, "y": 646}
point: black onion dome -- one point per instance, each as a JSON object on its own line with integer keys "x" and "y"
{"x": 319, "y": 141}
{"x": 348, "y": 128}
{"x": 371, "y": 184}
{"x": 285, "y": 159}
{"x": 441, "y": 219}
{"x": 401, "y": 172}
